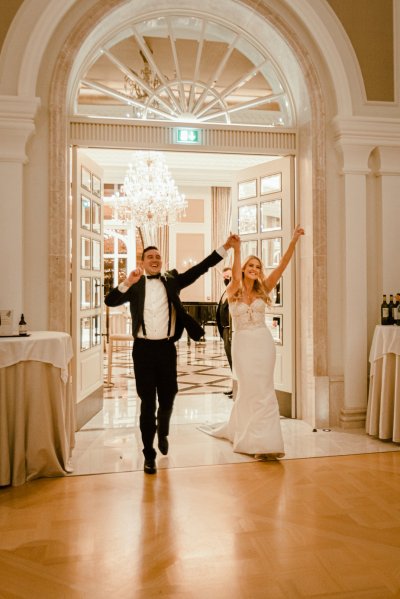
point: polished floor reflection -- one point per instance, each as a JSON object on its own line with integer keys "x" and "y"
{"x": 111, "y": 442}
{"x": 322, "y": 528}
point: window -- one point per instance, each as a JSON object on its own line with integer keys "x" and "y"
{"x": 180, "y": 67}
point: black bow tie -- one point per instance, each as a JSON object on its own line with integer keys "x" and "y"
{"x": 157, "y": 276}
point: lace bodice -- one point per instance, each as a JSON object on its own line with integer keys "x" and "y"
{"x": 247, "y": 317}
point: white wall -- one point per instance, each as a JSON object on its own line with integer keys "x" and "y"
{"x": 11, "y": 234}
{"x": 36, "y": 228}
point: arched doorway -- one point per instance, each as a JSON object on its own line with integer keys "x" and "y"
{"x": 308, "y": 104}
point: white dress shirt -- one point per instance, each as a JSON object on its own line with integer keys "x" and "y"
{"x": 155, "y": 313}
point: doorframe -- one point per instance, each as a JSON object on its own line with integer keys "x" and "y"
{"x": 287, "y": 401}
{"x": 99, "y": 137}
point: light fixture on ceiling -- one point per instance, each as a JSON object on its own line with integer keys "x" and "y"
{"x": 149, "y": 196}
{"x": 133, "y": 88}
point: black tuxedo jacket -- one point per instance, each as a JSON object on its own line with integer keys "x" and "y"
{"x": 173, "y": 282}
{"x": 222, "y": 316}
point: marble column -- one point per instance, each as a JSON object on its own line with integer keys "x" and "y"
{"x": 389, "y": 176}
{"x": 355, "y": 358}
{"x": 16, "y": 127}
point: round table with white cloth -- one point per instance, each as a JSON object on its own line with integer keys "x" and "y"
{"x": 383, "y": 412}
{"x": 37, "y": 419}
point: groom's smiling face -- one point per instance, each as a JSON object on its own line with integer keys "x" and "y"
{"x": 152, "y": 262}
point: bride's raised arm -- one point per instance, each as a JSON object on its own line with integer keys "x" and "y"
{"x": 236, "y": 269}
{"x": 271, "y": 280}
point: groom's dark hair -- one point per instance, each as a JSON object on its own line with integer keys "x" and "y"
{"x": 149, "y": 247}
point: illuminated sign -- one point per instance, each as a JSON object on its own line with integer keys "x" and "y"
{"x": 183, "y": 135}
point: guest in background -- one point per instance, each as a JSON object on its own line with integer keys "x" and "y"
{"x": 224, "y": 321}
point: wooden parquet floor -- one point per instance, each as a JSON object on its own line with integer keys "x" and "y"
{"x": 319, "y": 527}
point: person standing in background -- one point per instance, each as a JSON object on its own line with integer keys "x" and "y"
{"x": 224, "y": 321}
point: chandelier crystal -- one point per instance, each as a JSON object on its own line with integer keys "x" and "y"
{"x": 149, "y": 196}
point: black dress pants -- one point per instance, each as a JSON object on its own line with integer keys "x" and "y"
{"x": 154, "y": 365}
{"x": 227, "y": 344}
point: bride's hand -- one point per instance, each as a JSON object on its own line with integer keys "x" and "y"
{"x": 236, "y": 242}
{"x": 297, "y": 233}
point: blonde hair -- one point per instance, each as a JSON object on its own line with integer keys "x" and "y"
{"x": 259, "y": 290}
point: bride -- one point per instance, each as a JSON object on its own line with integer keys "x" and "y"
{"x": 254, "y": 424}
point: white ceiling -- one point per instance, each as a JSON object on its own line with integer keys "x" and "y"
{"x": 185, "y": 167}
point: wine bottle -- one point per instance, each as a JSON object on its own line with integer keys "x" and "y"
{"x": 384, "y": 311}
{"x": 391, "y": 305}
{"x": 22, "y": 326}
{"x": 397, "y": 320}
{"x": 394, "y": 309}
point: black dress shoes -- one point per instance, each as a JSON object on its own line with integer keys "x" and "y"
{"x": 150, "y": 466}
{"x": 163, "y": 445}
{"x": 228, "y": 393}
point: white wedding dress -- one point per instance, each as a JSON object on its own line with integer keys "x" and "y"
{"x": 254, "y": 424}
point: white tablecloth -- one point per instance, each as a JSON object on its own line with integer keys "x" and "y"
{"x": 37, "y": 417}
{"x": 383, "y": 413}
{"x": 42, "y": 346}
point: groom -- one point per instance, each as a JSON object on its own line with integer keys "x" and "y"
{"x": 158, "y": 320}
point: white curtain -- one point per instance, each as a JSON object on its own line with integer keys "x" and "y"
{"x": 158, "y": 236}
{"x": 163, "y": 244}
{"x": 149, "y": 235}
{"x": 221, "y": 207}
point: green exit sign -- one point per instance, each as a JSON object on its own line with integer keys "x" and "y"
{"x": 183, "y": 135}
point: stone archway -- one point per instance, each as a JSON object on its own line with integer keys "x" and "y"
{"x": 313, "y": 265}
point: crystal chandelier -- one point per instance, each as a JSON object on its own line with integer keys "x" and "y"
{"x": 149, "y": 196}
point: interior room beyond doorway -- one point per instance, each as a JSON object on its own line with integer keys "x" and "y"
{"x": 197, "y": 176}
{"x": 191, "y": 238}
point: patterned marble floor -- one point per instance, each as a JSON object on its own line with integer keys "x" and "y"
{"x": 110, "y": 442}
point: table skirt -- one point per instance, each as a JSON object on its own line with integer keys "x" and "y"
{"x": 37, "y": 423}
{"x": 383, "y": 413}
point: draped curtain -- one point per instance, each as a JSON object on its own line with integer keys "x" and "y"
{"x": 163, "y": 244}
{"x": 149, "y": 235}
{"x": 158, "y": 236}
{"x": 221, "y": 207}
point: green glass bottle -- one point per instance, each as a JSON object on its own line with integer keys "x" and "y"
{"x": 384, "y": 311}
